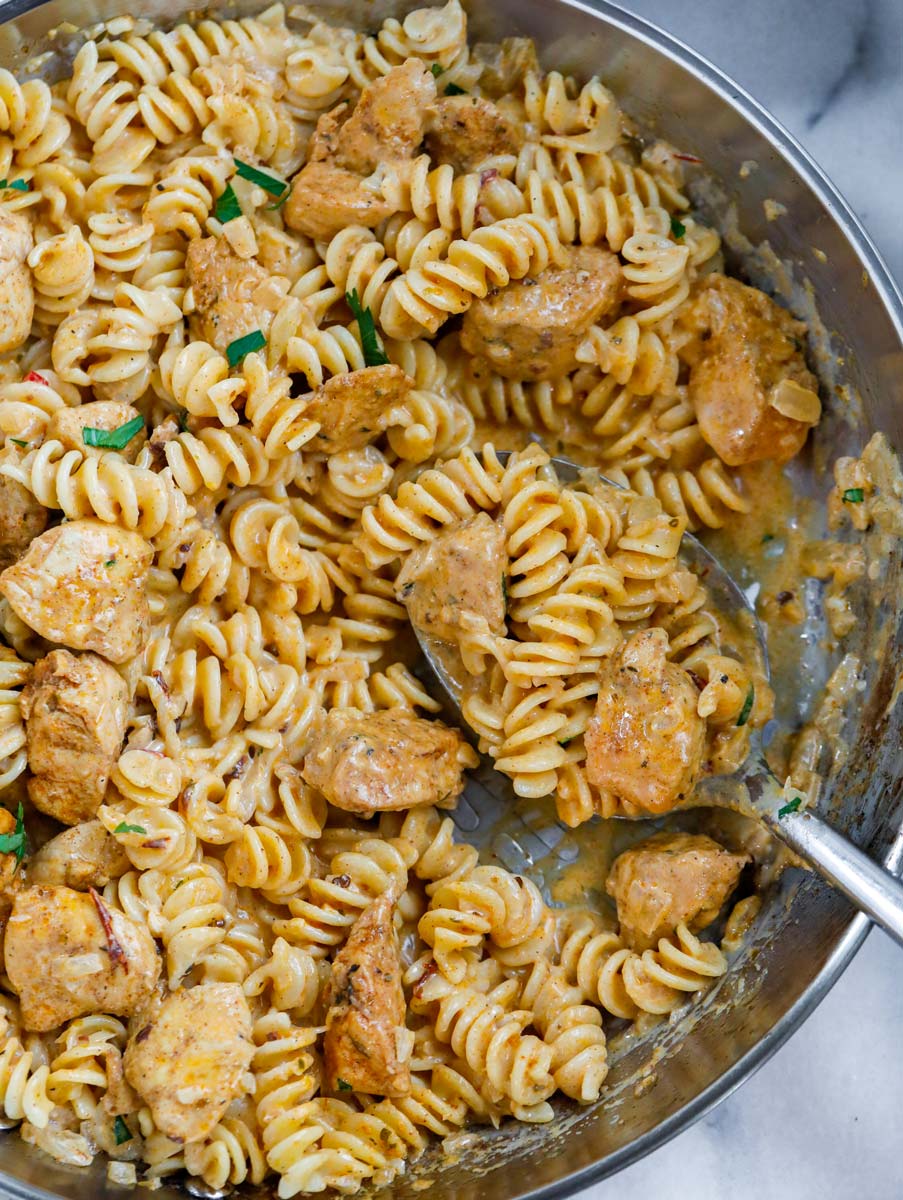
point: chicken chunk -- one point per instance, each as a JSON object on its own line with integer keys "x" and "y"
{"x": 22, "y": 518}
{"x": 645, "y": 740}
{"x": 754, "y": 396}
{"x": 325, "y": 199}
{"x": 75, "y": 708}
{"x": 83, "y": 584}
{"x": 16, "y": 287}
{"x": 331, "y": 190}
{"x": 466, "y": 130}
{"x": 82, "y": 857}
{"x": 232, "y": 295}
{"x": 389, "y": 760}
{"x": 68, "y": 954}
{"x": 364, "y": 1046}
{"x": 532, "y": 328}
{"x": 188, "y": 1057}
{"x": 354, "y": 408}
{"x": 457, "y": 575}
{"x": 668, "y": 880}
{"x": 67, "y": 425}
{"x": 388, "y": 122}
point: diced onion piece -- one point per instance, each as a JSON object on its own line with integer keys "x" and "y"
{"x": 239, "y": 233}
{"x": 796, "y": 402}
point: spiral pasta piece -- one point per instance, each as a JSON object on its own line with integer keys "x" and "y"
{"x": 421, "y": 299}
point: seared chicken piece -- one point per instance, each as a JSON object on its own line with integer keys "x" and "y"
{"x": 373, "y": 762}
{"x": 460, "y": 573}
{"x": 466, "y": 130}
{"x": 354, "y": 408}
{"x": 232, "y": 295}
{"x": 67, "y": 425}
{"x": 326, "y": 199}
{"x": 754, "y": 396}
{"x": 532, "y": 328}
{"x": 364, "y": 1047}
{"x": 68, "y": 954}
{"x": 16, "y": 288}
{"x": 386, "y": 128}
{"x": 82, "y": 857}
{"x": 645, "y": 740}
{"x": 22, "y": 518}
{"x": 671, "y": 879}
{"x": 84, "y": 584}
{"x": 388, "y": 121}
{"x": 188, "y": 1056}
{"x": 75, "y": 708}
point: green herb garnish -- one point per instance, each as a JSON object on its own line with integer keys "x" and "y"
{"x": 791, "y": 806}
{"x": 14, "y": 843}
{"x": 374, "y": 355}
{"x": 279, "y": 203}
{"x": 237, "y": 350}
{"x": 343, "y": 1086}
{"x": 183, "y": 420}
{"x": 269, "y": 183}
{"x": 18, "y": 441}
{"x": 437, "y": 70}
{"x": 113, "y": 439}
{"x": 111, "y": 562}
{"x": 452, "y": 89}
{"x": 121, "y": 1131}
{"x": 677, "y": 227}
{"x": 17, "y": 185}
{"x": 747, "y": 706}
{"x": 853, "y": 496}
{"x": 124, "y": 827}
{"x": 227, "y": 206}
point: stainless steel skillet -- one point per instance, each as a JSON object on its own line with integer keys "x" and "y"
{"x": 807, "y": 933}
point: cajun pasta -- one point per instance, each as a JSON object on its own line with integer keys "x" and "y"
{"x": 277, "y": 296}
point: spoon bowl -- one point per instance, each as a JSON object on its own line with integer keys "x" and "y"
{"x": 753, "y": 790}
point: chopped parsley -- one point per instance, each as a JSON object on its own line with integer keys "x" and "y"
{"x": 791, "y": 806}
{"x": 452, "y": 89}
{"x": 269, "y": 183}
{"x": 16, "y": 185}
{"x": 853, "y": 496}
{"x": 121, "y": 1131}
{"x": 747, "y": 706}
{"x": 18, "y": 441}
{"x": 227, "y": 206}
{"x": 183, "y": 420}
{"x": 437, "y": 70}
{"x": 374, "y": 354}
{"x": 279, "y": 203}
{"x": 113, "y": 439}
{"x": 14, "y": 843}
{"x": 111, "y": 562}
{"x": 343, "y": 1086}
{"x": 677, "y": 227}
{"x": 237, "y": 350}
{"x": 124, "y": 827}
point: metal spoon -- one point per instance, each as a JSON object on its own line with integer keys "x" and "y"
{"x": 753, "y": 790}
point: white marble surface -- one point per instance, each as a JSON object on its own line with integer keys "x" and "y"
{"x": 822, "y": 1118}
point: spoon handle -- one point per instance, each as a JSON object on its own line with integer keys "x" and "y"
{"x": 870, "y": 887}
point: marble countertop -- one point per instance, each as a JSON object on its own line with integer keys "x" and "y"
{"x": 821, "y": 1119}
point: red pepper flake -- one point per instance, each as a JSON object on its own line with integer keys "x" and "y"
{"x": 117, "y": 954}
{"x": 428, "y": 972}
{"x": 161, "y": 683}
{"x": 691, "y": 158}
{"x": 155, "y": 844}
{"x": 488, "y": 176}
{"x": 34, "y": 377}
